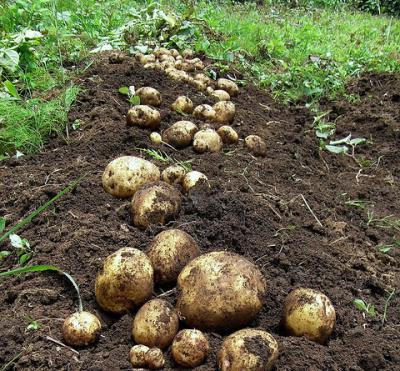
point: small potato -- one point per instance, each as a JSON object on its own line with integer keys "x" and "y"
{"x": 188, "y": 67}
{"x": 197, "y": 63}
{"x": 202, "y": 77}
{"x": 192, "y": 178}
{"x": 159, "y": 51}
{"x": 220, "y": 95}
{"x": 155, "y": 324}
{"x": 144, "y": 59}
{"x": 174, "y": 53}
{"x": 178, "y": 64}
{"x": 167, "y": 58}
{"x": 143, "y": 116}
{"x": 173, "y": 174}
{"x": 224, "y": 112}
{"x": 155, "y": 138}
{"x": 149, "y": 96}
{"x": 309, "y": 313}
{"x": 180, "y": 134}
{"x": 204, "y": 112}
{"x": 207, "y": 140}
{"x": 182, "y": 104}
{"x": 177, "y": 74}
{"x": 81, "y": 329}
{"x": 150, "y": 66}
{"x": 137, "y": 355}
{"x": 229, "y": 86}
{"x": 209, "y": 90}
{"x": 190, "y": 348}
{"x": 155, "y": 203}
{"x": 228, "y": 134}
{"x": 256, "y": 145}
{"x": 169, "y": 252}
{"x": 178, "y": 58}
{"x": 154, "y": 359}
{"x": 124, "y": 175}
{"x": 187, "y": 53}
{"x": 199, "y": 85}
{"x": 166, "y": 64}
{"x": 125, "y": 281}
{"x": 248, "y": 349}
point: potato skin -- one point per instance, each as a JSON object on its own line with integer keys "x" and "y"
{"x": 155, "y": 203}
{"x": 125, "y": 281}
{"x": 173, "y": 174}
{"x": 204, "y": 112}
{"x": 137, "y": 355}
{"x": 256, "y": 145}
{"x": 309, "y": 313}
{"x": 149, "y": 95}
{"x": 180, "y": 134}
{"x": 81, "y": 328}
{"x": 169, "y": 252}
{"x": 183, "y": 104}
{"x": 229, "y": 86}
{"x": 143, "y": 116}
{"x": 220, "y": 291}
{"x": 220, "y": 95}
{"x": 228, "y": 134}
{"x": 190, "y": 348}
{"x": 224, "y": 112}
{"x": 207, "y": 140}
{"x": 124, "y": 175}
{"x": 248, "y": 350}
{"x": 154, "y": 359}
{"x": 191, "y": 179}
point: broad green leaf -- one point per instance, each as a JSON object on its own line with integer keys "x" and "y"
{"x": 357, "y": 141}
{"x": 384, "y": 249}
{"x": 11, "y": 89}
{"x": 123, "y": 90}
{"x": 24, "y": 258}
{"x": 33, "y": 326}
{"x": 2, "y": 224}
{"x": 336, "y": 149}
{"x": 341, "y": 141}
{"x": 9, "y": 60}
{"x": 4, "y": 254}
{"x": 134, "y": 100}
{"x": 360, "y": 304}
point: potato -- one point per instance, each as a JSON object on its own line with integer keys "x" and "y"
{"x": 177, "y": 74}
{"x": 220, "y": 95}
{"x": 180, "y": 134}
{"x": 224, "y": 112}
{"x": 204, "y": 112}
{"x": 192, "y": 178}
{"x": 228, "y": 134}
{"x": 174, "y": 53}
{"x": 159, "y": 51}
{"x": 229, "y": 86}
{"x": 167, "y": 58}
{"x": 209, "y": 90}
{"x": 178, "y": 64}
{"x": 256, "y": 145}
{"x": 248, "y": 349}
{"x": 80, "y": 329}
{"x": 169, "y": 252}
{"x": 188, "y": 67}
{"x": 155, "y": 324}
{"x": 125, "y": 281}
{"x": 155, "y": 203}
{"x": 144, "y": 59}
{"x": 154, "y": 359}
{"x": 137, "y": 355}
{"x": 182, "y": 104}
{"x": 124, "y": 175}
{"x": 202, "y": 77}
{"x": 166, "y": 64}
{"x": 207, "y": 140}
{"x": 150, "y": 96}
{"x": 309, "y": 313}
{"x": 173, "y": 174}
{"x": 155, "y": 138}
{"x": 190, "y": 348}
{"x": 199, "y": 85}
{"x": 143, "y": 116}
{"x": 220, "y": 291}
{"x": 187, "y": 53}
{"x": 150, "y": 66}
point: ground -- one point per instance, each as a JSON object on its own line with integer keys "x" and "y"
{"x": 296, "y": 213}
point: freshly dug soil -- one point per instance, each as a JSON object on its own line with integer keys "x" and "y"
{"x": 292, "y": 213}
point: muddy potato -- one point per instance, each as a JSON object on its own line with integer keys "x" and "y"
{"x": 209, "y": 90}
{"x": 174, "y": 53}
{"x": 124, "y": 175}
{"x": 199, "y": 85}
{"x": 228, "y": 134}
{"x": 207, "y": 140}
{"x": 80, "y": 329}
{"x": 192, "y": 178}
{"x": 150, "y": 96}
{"x": 160, "y": 51}
{"x": 220, "y": 95}
{"x": 309, "y": 313}
{"x": 180, "y": 134}
{"x": 256, "y": 145}
{"x": 125, "y": 281}
{"x": 149, "y": 58}
{"x": 154, "y": 359}
{"x": 150, "y": 66}
{"x": 188, "y": 67}
{"x": 155, "y": 138}
{"x": 182, "y": 104}
{"x": 187, "y": 53}
{"x": 155, "y": 203}
{"x": 169, "y": 252}
{"x": 190, "y": 348}
{"x": 177, "y": 75}
{"x": 248, "y": 349}
{"x": 229, "y": 86}
{"x": 224, "y": 112}
{"x": 220, "y": 291}
{"x": 204, "y": 112}
{"x": 167, "y": 58}
{"x": 137, "y": 355}
{"x": 143, "y": 116}
{"x": 202, "y": 77}
{"x": 178, "y": 64}
{"x": 173, "y": 174}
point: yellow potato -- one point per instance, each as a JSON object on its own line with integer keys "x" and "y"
{"x": 155, "y": 138}
{"x": 143, "y": 116}
{"x": 229, "y": 86}
{"x": 144, "y": 59}
{"x": 177, "y": 75}
{"x": 224, "y": 112}
{"x": 228, "y": 134}
{"x": 167, "y": 58}
{"x": 209, "y": 90}
{"x": 149, "y": 95}
{"x": 187, "y": 53}
{"x": 173, "y": 174}
{"x": 256, "y": 145}
{"x": 207, "y": 140}
{"x": 159, "y": 51}
{"x": 204, "y": 112}
{"x": 137, "y": 355}
{"x": 154, "y": 359}
{"x": 190, "y": 348}
{"x": 182, "y": 104}
{"x": 180, "y": 134}
{"x": 220, "y": 95}
{"x": 174, "y": 53}
{"x": 188, "y": 67}
{"x": 192, "y": 178}
{"x": 199, "y": 85}
{"x": 81, "y": 329}
{"x": 202, "y": 77}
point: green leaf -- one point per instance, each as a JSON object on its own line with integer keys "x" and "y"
{"x": 134, "y": 100}
{"x": 356, "y": 141}
{"x": 4, "y": 254}
{"x": 2, "y": 224}
{"x": 9, "y": 60}
{"x": 33, "y": 326}
{"x": 341, "y": 141}
{"x": 11, "y": 89}
{"x": 384, "y": 249}
{"x": 24, "y": 258}
{"x": 360, "y": 304}
{"x": 123, "y": 90}
{"x": 336, "y": 149}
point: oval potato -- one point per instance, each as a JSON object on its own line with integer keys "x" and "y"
{"x": 149, "y": 95}
{"x": 228, "y": 134}
{"x": 229, "y": 86}
{"x": 224, "y": 112}
{"x": 190, "y": 348}
{"x": 180, "y": 134}
{"x": 220, "y": 95}
{"x": 81, "y": 329}
{"x": 183, "y": 104}
{"x": 192, "y": 178}
{"x": 204, "y": 112}
{"x": 256, "y": 145}
{"x": 207, "y": 140}
{"x": 143, "y": 116}
{"x": 173, "y": 174}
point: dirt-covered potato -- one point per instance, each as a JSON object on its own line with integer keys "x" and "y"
{"x": 199, "y": 85}
{"x": 248, "y": 349}
{"x": 220, "y": 291}
{"x": 137, "y": 355}
{"x": 154, "y": 359}
{"x": 125, "y": 281}
{"x": 229, "y": 86}
{"x": 202, "y": 77}
{"x": 177, "y": 75}
{"x": 143, "y": 116}
{"x": 209, "y": 90}
{"x": 224, "y": 112}
{"x": 149, "y": 95}
{"x": 169, "y": 252}
{"x": 190, "y": 348}
{"x": 256, "y": 145}
{"x": 159, "y": 51}
{"x": 309, "y": 313}
{"x": 174, "y": 53}
{"x": 81, "y": 328}
{"x": 220, "y": 95}
{"x": 155, "y": 203}
{"x": 155, "y": 138}
{"x": 204, "y": 112}
{"x": 187, "y": 53}
{"x": 124, "y": 175}
{"x": 192, "y": 178}
{"x": 173, "y": 174}
{"x": 182, "y": 104}
{"x": 180, "y": 134}
{"x": 228, "y": 134}
{"x": 155, "y": 324}
{"x": 207, "y": 140}
{"x": 167, "y": 58}
{"x": 188, "y": 67}
{"x": 197, "y": 63}
{"x": 144, "y": 59}
{"x": 150, "y": 66}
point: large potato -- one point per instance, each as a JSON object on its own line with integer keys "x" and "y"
{"x": 204, "y": 112}
{"x": 190, "y": 348}
{"x": 81, "y": 328}
{"x": 309, "y": 313}
{"x": 192, "y": 178}
{"x": 125, "y": 281}
{"x": 224, "y": 112}
{"x": 124, "y": 175}
{"x": 229, "y": 86}
{"x": 143, "y": 116}
{"x": 207, "y": 140}
{"x": 202, "y": 77}
{"x": 169, "y": 252}
{"x": 149, "y": 95}
{"x": 256, "y": 145}
{"x": 180, "y": 134}
{"x": 228, "y": 134}
{"x": 159, "y": 51}
{"x": 173, "y": 174}
{"x": 220, "y": 291}
{"x": 155, "y": 324}
{"x": 182, "y": 104}
{"x": 155, "y": 203}
{"x": 219, "y": 95}
{"x": 248, "y": 349}
{"x": 144, "y": 59}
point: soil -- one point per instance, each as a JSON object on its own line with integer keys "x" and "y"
{"x": 288, "y": 212}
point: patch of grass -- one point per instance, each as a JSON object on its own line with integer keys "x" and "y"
{"x": 386, "y": 222}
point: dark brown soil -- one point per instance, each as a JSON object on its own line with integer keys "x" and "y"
{"x": 267, "y": 209}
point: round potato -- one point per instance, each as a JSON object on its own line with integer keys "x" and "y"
{"x": 124, "y": 175}
{"x": 143, "y": 116}
{"x": 155, "y": 203}
{"x": 202, "y": 77}
{"x": 174, "y": 53}
{"x": 224, "y": 112}
{"x": 256, "y": 145}
{"x": 167, "y": 58}
{"x": 220, "y": 95}
{"x": 182, "y": 104}
{"x": 190, "y": 348}
{"x": 160, "y": 51}
{"x": 81, "y": 328}
{"x": 228, "y": 134}
{"x": 309, "y": 313}
{"x": 199, "y": 85}
{"x": 180, "y": 134}
{"x": 204, "y": 112}
{"x": 150, "y": 66}
{"x": 229, "y": 86}
{"x": 154, "y": 359}
{"x": 173, "y": 174}
{"x": 144, "y": 59}
{"x": 177, "y": 75}
{"x": 125, "y": 281}
{"x": 187, "y": 53}
{"x": 192, "y": 178}
{"x": 137, "y": 355}
{"x": 248, "y": 349}
{"x": 220, "y": 291}
{"x": 169, "y": 252}
{"x": 209, "y": 90}
{"x": 155, "y": 138}
{"x": 188, "y": 67}
{"x": 207, "y": 140}
{"x": 149, "y": 95}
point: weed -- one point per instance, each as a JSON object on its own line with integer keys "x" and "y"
{"x": 23, "y": 249}
{"x": 387, "y": 222}
{"x": 133, "y": 99}
{"x": 357, "y": 204}
{"x": 365, "y": 308}
{"x": 157, "y": 154}
{"x": 33, "y": 325}
{"x": 390, "y": 296}
{"x": 386, "y": 248}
